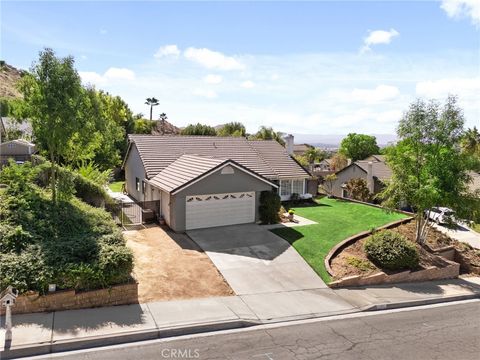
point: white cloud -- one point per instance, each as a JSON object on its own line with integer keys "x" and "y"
{"x": 463, "y": 8}
{"x": 213, "y": 79}
{"x": 111, "y": 75}
{"x": 247, "y": 84}
{"x": 212, "y": 59}
{"x": 372, "y": 96}
{"x": 379, "y": 37}
{"x": 463, "y": 87}
{"x": 167, "y": 50}
{"x": 209, "y": 94}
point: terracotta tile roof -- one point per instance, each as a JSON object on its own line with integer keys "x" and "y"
{"x": 267, "y": 158}
{"x": 183, "y": 170}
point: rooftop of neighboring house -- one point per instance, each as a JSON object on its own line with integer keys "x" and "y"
{"x": 19, "y": 142}
{"x": 380, "y": 169}
{"x": 301, "y": 148}
{"x": 265, "y": 157}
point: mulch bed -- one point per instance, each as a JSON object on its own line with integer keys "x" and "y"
{"x": 353, "y": 260}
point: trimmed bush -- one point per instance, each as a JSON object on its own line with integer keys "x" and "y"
{"x": 269, "y": 207}
{"x": 390, "y": 250}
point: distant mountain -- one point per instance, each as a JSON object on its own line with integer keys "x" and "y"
{"x": 9, "y": 76}
{"x": 333, "y": 140}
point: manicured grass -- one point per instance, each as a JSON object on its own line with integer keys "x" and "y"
{"x": 116, "y": 186}
{"x": 337, "y": 220}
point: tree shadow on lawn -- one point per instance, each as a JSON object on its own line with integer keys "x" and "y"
{"x": 288, "y": 233}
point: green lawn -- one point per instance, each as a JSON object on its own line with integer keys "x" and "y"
{"x": 337, "y": 220}
{"x": 116, "y": 186}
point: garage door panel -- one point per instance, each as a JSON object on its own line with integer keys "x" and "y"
{"x": 219, "y": 209}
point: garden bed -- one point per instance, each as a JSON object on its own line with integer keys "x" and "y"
{"x": 352, "y": 262}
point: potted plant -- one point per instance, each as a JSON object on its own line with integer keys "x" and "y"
{"x": 291, "y": 213}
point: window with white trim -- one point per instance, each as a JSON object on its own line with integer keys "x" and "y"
{"x": 285, "y": 187}
{"x": 297, "y": 186}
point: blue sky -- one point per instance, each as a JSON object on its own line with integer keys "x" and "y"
{"x": 314, "y": 67}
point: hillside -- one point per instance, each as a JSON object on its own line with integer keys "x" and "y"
{"x": 163, "y": 127}
{"x": 9, "y": 77}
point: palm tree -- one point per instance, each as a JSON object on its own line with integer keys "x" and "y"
{"x": 152, "y": 102}
{"x": 313, "y": 154}
{"x": 267, "y": 133}
{"x": 471, "y": 141}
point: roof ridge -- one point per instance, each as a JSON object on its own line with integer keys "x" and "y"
{"x": 260, "y": 155}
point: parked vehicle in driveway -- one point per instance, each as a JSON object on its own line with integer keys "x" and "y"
{"x": 441, "y": 215}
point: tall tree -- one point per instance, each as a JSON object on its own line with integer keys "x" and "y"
{"x": 339, "y": 161}
{"x": 199, "y": 129}
{"x": 232, "y": 129}
{"x": 152, "y": 102}
{"x": 359, "y": 146}
{"x": 267, "y": 133}
{"x": 471, "y": 141}
{"x": 428, "y": 167}
{"x": 54, "y": 101}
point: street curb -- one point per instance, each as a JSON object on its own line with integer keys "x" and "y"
{"x": 413, "y": 303}
{"x": 115, "y": 339}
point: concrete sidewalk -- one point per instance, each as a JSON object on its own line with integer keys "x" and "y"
{"x": 43, "y": 333}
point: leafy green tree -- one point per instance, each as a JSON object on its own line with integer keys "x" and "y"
{"x": 199, "y": 129}
{"x": 428, "y": 167}
{"x": 152, "y": 102}
{"x": 232, "y": 129}
{"x": 143, "y": 126}
{"x": 302, "y": 160}
{"x": 359, "y": 146}
{"x": 267, "y": 133}
{"x": 54, "y": 102}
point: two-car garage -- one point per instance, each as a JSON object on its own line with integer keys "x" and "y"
{"x": 202, "y": 211}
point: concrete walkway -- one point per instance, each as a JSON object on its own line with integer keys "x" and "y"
{"x": 462, "y": 233}
{"x": 75, "y": 329}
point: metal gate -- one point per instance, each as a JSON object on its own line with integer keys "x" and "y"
{"x": 135, "y": 213}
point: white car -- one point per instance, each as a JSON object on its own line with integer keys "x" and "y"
{"x": 441, "y": 215}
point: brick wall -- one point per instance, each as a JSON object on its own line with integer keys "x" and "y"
{"x": 69, "y": 299}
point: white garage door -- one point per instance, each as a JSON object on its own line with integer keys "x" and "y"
{"x": 219, "y": 209}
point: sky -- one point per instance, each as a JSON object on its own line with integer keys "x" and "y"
{"x": 324, "y": 67}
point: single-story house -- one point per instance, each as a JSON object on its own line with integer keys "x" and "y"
{"x": 206, "y": 181}
{"x": 19, "y": 150}
{"x": 374, "y": 170}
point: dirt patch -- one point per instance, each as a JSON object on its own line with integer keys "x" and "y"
{"x": 353, "y": 260}
{"x": 171, "y": 266}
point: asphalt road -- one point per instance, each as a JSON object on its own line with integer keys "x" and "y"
{"x": 439, "y": 332}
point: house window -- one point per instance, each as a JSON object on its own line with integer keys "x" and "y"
{"x": 285, "y": 187}
{"x": 344, "y": 193}
{"x": 137, "y": 184}
{"x": 143, "y": 187}
{"x": 297, "y": 186}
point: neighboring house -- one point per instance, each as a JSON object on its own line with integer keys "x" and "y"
{"x": 323, "y": 168}
{"x": 373, "y": 170}
{"x": 204, "y": 181}
{"x": 301, "y": 149}
{"x": 18, "y": 150}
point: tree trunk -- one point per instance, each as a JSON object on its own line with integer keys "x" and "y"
{"x": 53, "y": 179}
{"x": 151, "y": 110}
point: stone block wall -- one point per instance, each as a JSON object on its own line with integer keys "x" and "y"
{"x": 70, "y": 299}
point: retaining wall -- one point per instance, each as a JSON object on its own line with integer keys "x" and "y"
{"x": 70, "y": 299}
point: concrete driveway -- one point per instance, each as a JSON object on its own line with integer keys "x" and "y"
{"x": 461, "y": 233}
{"x": 253, "y": 260}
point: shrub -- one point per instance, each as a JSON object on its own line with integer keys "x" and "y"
{"x": 392, "y": 251}
{"x": 269, "y": 207}
{"x": 361, "y": 264}
{"x": 70, "y": 244}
